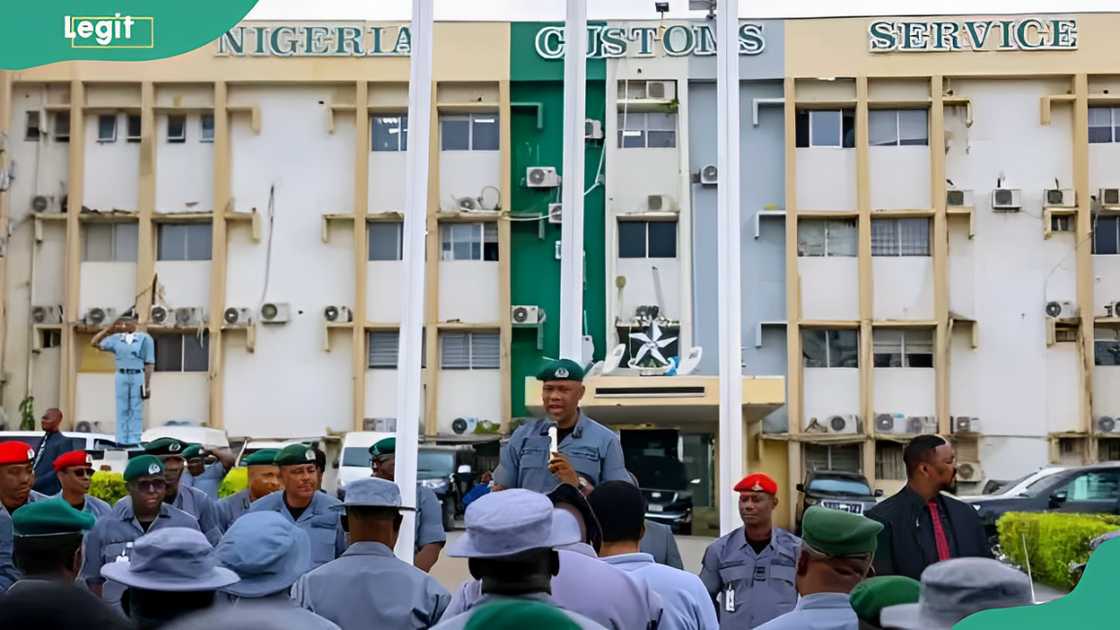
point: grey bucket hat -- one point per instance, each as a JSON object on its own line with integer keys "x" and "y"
{"x": 372, "y": 492}
{"x": 510, "y": 522}
{"x": 171, "y": 559}
{"x": 954, "y": 589}
{"x": 267, "y": 551}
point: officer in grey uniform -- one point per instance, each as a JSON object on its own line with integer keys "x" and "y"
{"x": 190, "y": 500}
{"x": 112, "y": 536}
{"x": 202, "y": 476}
{"x": 48, "y": 541}
{"x": 369, "y": 587}
{"x": 16, "y": 476}
{"x": 75, "y": 475}
{"x": 430, "y": 536}
{"x": 264, "y": 479}
{"x": 301, "y": 502}
{"x": 586, "y": 448}
{"x": 751, "y": 572}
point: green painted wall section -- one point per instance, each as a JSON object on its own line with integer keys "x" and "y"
{"x": 534, "y": 270}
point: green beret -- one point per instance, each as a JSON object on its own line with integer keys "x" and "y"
{"x": 514, "y": 614}
{"x": 388, "y": 446}
{"x": 165, "y": 446}
{"x": 52, "y": 516}
{"x": 295, "y": 455}
{"x": 192, "y": 451}
{"x": 837, "y": 533}
{"x": 874, "y": 594}
{"x": 143, "y": 466}
{"x": 263, "y": 457}
{"x": 561, "y": 370}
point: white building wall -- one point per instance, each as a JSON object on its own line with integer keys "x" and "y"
{"x": 386, "y": 180}
{"x": 903, "y": 287}
{"x": 899, "y": 177}
{"x": 826, "y": 179}
{"x": 184, "y": 171}
{"x": 468, "y": 291}
{"x": 49, "y": 264}
{"x": 105, "y": 284}
{"x": 1062, "y": 373}
{"x": 1103, "y": 158}
{"x": 1106, "y": 284}
{"x": 645, "y": 172}
{"x": 830, "y": 391}
{"x": 184, "y": 282}
{"x": 466, "y": 393}
{"x": 383, "y": 291}
{"x": 966, "y": 389}
{"x": 112, "y": 178}
{"x": 1008, "y": 457}
{"x": 904, "y": 390}
{"x": 381, "y": 394}
{"x": 829, "y": 288}
{"x": 962, "y": 250}
{"x": 44, "y": 377}
{"x": 179, "y": 396}
{"x": 465, "y": 174}
{"x": 640, "y": 288}
{"x": 1106, "y": 391}
{"x": 96, "y": 399}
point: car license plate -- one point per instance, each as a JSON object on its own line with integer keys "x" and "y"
{"x": 853, "y": 508}
{"x": 656, "y": 508}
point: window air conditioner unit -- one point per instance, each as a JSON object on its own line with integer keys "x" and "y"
{"x": 1112, "y": 310}
{"x": 99, "y": 316}
{"x": 189, "y": 316}
{"x": 956, "y": 198}
{"x": 661, "y": 90}
{"x": 525, "y": 315}
{"x": 659, "y": 203}
{"x": 541, "y": 177}
{"x": 468, "y": 204}
{"x": 1108, "y": 424}
{"x": 335, "y": 313}
{"x": 464, "y": 425}
{"x": 235, "y": 316}
{"x": 709, "y": 175}
{"x": 44, "y": 203}
{"x": 1059, "y": 198}
{"x": 160, "y": 314}
{"x": 381, "y": 425}
{"x": 46, "y": 314}
{"x": 1006, "y": 199}
{"x": 921, "y": 425}
{"x": 1109, "y": 196}
{"x": 592, "y": 129}
{"x": 965, "y": 424}
{"x": 969, "y": 472}
{"x": 1061, "y": 309}
{"x": 890, "y": 423}
{"x": 555, "y": 214}
{"x": 846, "y": 423}
{"x": 275, "y": 312}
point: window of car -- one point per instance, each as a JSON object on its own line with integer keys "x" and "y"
{"x": 434, "y": 464}
{"x": 1094, "y": 485}
{"x": 839, "y": 485}
{"x": 355, "y": 456}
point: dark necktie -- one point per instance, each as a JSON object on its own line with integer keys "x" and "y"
{"x": 939, "y": 538}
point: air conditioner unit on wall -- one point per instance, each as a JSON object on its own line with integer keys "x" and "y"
{"x": 592, "y": 129}
{"x": 189, "y": 316}
{"x": 541, "y": 177}
{"x": 1061, "y": 309}
{"x": 338, "y": 313}
{"x": 836, "y": 423}
{"x": 1006, "y": 199}
{"x": 1108, "y": 424}
{"x": 1112, "y": 309}
{"x": 381, "y": 425}
{"x": 46, "y": 314}
{"x": 921, "y": 425}
{"x": 661, "y": 90}
{"x": 957, "y": 198}
{"x": 555, "y": 213}
{"x": 235, "y": 316}
{"x": 160, "y": 315}
{"x": 525, "y": 315}
{"x": 659, "y": 203}
{"x": 464, "y": 425}
{"x": 890, "y": 423}
{"x": 709, "y": 175}
{"x": 1059, "y": 198}
{"x": 275, "y": 313}
{"x": 965, "y": 424}
{"x": 45, "y": 203}
{"x": 99, "y": 316}
{"x": 1109, "y": 196}
{"x": 969, "y": 472}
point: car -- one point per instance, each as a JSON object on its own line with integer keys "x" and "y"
{"x": 189, "y": 434}
{"x": 102, "y": 447}
{"x": 838, "y": 490}
{"x": 354, "y": 462}
{"x": 1014, "y": 487}
{"x": 449, "y": 471}
{"x": 1094, "y": 488}
{"x": 664, "y": 483}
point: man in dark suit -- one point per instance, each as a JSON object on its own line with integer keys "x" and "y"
{"x": 921, "y": 525}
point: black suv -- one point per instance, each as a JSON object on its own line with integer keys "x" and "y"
{"x": 665, "y": 486}
{"x": 837, "y": 490}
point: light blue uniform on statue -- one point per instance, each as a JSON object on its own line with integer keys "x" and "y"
{"x": 131, "y": 352}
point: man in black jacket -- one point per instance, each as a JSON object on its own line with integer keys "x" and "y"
{"x": 921, "y": 525}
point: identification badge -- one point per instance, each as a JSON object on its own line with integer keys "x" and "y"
{"x": 729, "y": 599}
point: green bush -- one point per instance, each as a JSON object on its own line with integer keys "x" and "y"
{"x": 1053, "y": 541}
{"x": 107, "y": 486}
{"x": 235, "y": 481}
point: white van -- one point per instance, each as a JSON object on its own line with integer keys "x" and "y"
{"x": 354, "y": 461}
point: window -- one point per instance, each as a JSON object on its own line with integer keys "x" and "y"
{"x": 207, "y": 128}
{"x": 1103, "y": 123}
{"x": 62, "y": 126}
{"x": 34, "y": 126}
{"x": 1097, "y": 485}
{"x": 107, "y": 128}
{"x": 183, "y": 353}
{"x": 469, "y": 241}
{"x": 1106, "y": 235}
{"x": 900, "y": 237}
{"x": 184, "y": 241}
{"x": 109, "y": 242}
{"x": 902, "y": 348}
{"x": 49, "y": 338}
{"x": 830, "y": 348}
{"x": 832, "y": 457}
{"x": 647, "y": 239}
{"x": 389, "y": 133}
{"x": 385, "y": 241}
{"x": 831, "y": 237}
{"x": 653, "y": 130}
{"x": 133, "y": 127}
{"x": 898, "y": 127}
{"x": 176, "y": 128}
{"x": 468, "y": 350}
{"x": 826, "y": 128}
{"x": 1062, "y": 223}
{"x": 888, "y": 461}
{"x": 383, "y": 349}
{"x": 469, "y": 132}
{"x": 1106, "y": 344}
{"x": 1108, "y": 450}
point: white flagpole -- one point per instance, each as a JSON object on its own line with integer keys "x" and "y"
{"x": 571, "y": 188}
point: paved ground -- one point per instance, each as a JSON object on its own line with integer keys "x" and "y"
{"x": 453, "y": 571}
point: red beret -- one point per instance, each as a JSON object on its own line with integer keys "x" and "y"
{"x": 73, "y": 458}
{"x": 15, "y": 452}
{"x": 757, "y": 482}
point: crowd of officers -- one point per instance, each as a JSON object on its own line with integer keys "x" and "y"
{"x": 561, "y": 541}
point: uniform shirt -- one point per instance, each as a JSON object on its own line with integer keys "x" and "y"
{"x": 130, "y": 356}
{"x": 819, "y": 611}
{"x": 110, "y": 537}
{"x": 594, "y": 451}
{"x": 8, "y": 572}
{"x": 683, "y": 596}
{"x": 322, "y": 524}
{"x": 460, "y": 621}
{"x": 369, "y": 587}
{"x": 93, "y": 506}
{"x": 194, "y": 502}
{"x": 209, "y": 481}
{"x": 232, "y": 507}
{"x": 660, "y": 543}
{"x": 429, "y": 517}
{"x": 590, "y": 587}
{"x": 52, "y": 445}
{"x": 751, "y": 588}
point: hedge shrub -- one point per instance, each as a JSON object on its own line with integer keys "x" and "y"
{"x": 236, "y": 480}
{"x": 107, "y": 486}
{"x": 1053, "y": 541}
